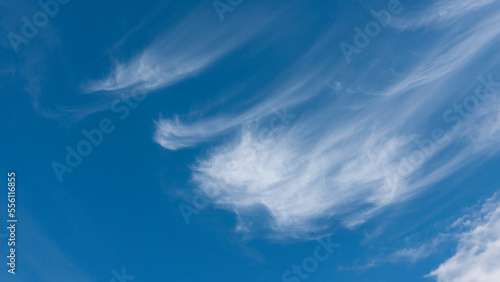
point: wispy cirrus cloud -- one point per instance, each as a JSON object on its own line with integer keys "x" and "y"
{"x": 315, "y": 170}
{"x": 344, "y": 159}
{"x": 421, "y": 252}
{"x": 184, "y": 49}
{"x": 181, "y": 52}
{"x": 441, "y": 14}
{"x": 477, "y": 257}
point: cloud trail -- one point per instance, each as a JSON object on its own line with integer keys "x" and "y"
{"x": 344, "y": 159}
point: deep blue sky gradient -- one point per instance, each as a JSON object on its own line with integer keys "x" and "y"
{"x": 120, "y": 206}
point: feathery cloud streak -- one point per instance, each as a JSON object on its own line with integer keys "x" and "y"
{"x": 477, "y": 257}
{"x": 181, "y": 52}
{"x": 344, "y": 160}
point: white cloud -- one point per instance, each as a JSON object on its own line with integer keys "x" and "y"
{"x": 423, "y": 251}
{"x": 345, "y": 159}
{"x": 181, "y": 52}
{"x": 315, "y": 169}
{"x": 299, "y": 179}
{"x": 442, "y": 13}
{"x": 477, "y": 258}
{"x": 323, "y": 164}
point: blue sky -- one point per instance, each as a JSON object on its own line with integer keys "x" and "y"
{"x": 240, "y": 140}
